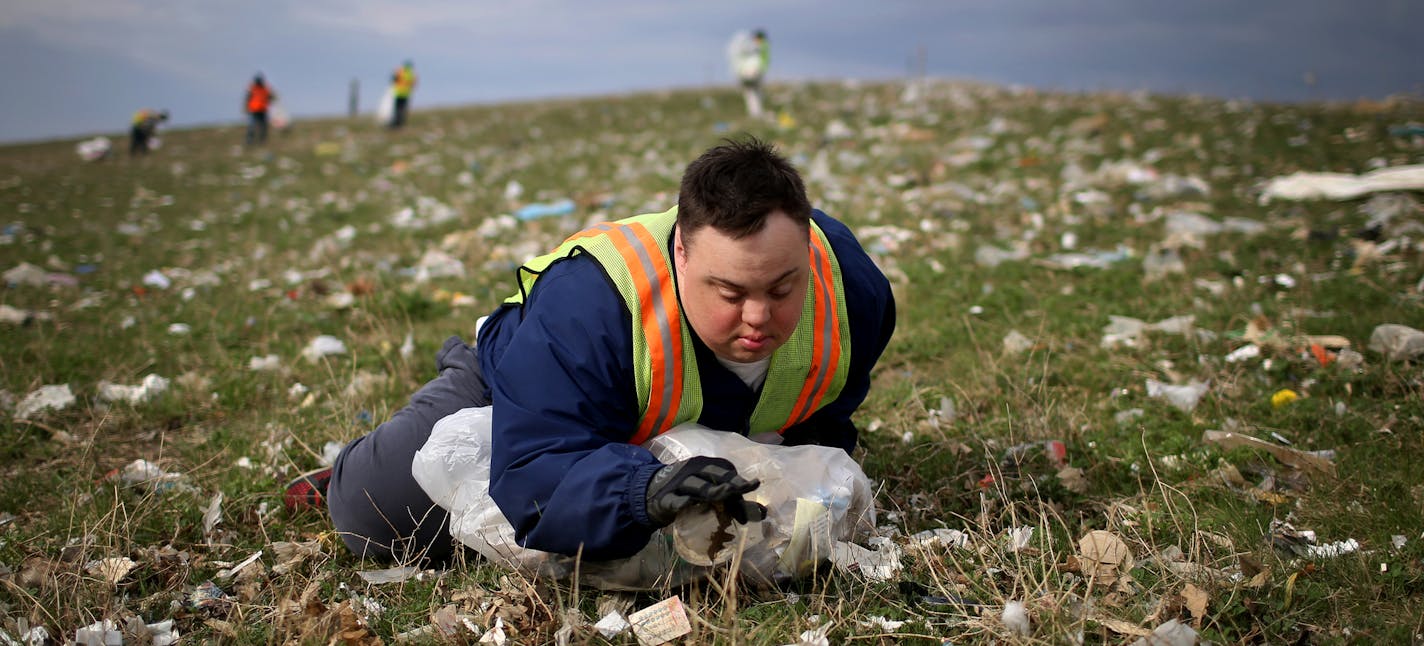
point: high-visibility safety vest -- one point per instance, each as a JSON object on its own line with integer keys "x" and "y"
{"x": 806, "y": 373}
{"x": 141, "y": 117}
{"x": 258, "y": 96}
{"x": 404, "y": 82}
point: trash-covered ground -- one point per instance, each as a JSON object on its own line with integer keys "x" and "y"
{"x": 1148, "y": 381}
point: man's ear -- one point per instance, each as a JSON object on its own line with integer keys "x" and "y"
{"x": 679, "y": 251}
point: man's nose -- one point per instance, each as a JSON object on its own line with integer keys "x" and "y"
{"x": 755, "y": 311}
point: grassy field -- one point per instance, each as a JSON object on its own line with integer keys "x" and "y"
{"x": 331, "y": 229}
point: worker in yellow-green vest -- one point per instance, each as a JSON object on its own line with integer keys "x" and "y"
{"x": 740, "y": 308}
{"x": 402, "y": 84}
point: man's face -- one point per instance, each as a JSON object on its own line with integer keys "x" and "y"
{"x": 744, "y": 297}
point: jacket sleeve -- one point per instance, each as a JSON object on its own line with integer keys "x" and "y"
{"x": 870, "y": 306}
{"x": 564, "y": 408}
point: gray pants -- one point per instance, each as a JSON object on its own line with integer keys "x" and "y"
{"x": 375, "y": 503}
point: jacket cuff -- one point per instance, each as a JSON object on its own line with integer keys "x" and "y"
{"x": 638, "y": 491}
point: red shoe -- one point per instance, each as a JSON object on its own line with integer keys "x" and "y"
{"x": 308, "y": 491}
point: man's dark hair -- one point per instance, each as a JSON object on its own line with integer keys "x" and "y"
{"x": 734, "y": 186}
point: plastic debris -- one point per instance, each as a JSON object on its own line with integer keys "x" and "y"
{"x": 264, "y": 364}
{"x": 537, "y": 210}
{"x": 157, "y": 280}
{"x": 1342, "y": 186}
{"x": 25, "y": 274}
{"x": 51, "y": 397}
{"x": 208, "y": 596}
{"x": 323, "y": 346}
{"x": 151, "y": 386}
{"x": 94, "y": 149}
{"x": 880, "y": 564}
{"x": 239, "y": 566}
{"x": 815, "y": 636}
{"x": 661, "y": 622}
{"x": 1248, "y": 351}
{"x": 611, "y": 625}
{"x": 1019, "y": 538}
{"x": 1015, "y": 618}
{"x": 1172, "y": 633}
{"x": 940, "y": 537}
{"x": 213, "y": 515}
{"x": 495, "y": 635}
{"x": 438, "y": 264}
{"x": 100, "y": 633}
{"x": 1183, "y": 397}
{"x": 389, "y": 575}
{"x": 1320, "y": 461}
{"x": 1397, "y": 342}
{"x": 1016, "y": 343}
{"x": 1127, "y": 331}
{"x": 179, "y": 329}
{"x": 1283, "y": 396}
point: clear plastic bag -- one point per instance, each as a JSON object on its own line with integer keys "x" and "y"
{"x": 815, "y": 496}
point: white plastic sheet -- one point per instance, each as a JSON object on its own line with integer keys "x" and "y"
{"x": 814, "y": 496}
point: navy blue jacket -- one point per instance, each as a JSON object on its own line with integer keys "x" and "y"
{"x": 562, "y": 380}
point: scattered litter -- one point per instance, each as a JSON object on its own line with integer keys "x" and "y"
{"x": 1284, "y": 396}
{"x": 1019, "y": 537}
{"x": 330, "y": 451}
{"x": 25, "y": 274}
{"x": 1398, "y": 541}
{"x": 1184, "y": 397}
{"x": 1127, "y": 331}
{"x": 1397, "y": 342}
{"x": 157, "y": 280}
{"x": 162, "y": 633}
{"x": 1015, "y": 618}
{"x": 438, "y": 264}
{"x": 208, "y": 596}
{"x": 213, "y": 515}
{"x": 264, "y": 364}
{"x": 611, "y": 625}
{"x": 151, "y": 386}
{"x": 179, "y": 329}
{"x": 93, "y": 149}
{"x": 1123, "y": 417}
{"x": 1342, "y": 186}
{"x": 536, "y": 211}
{"x": 52, "y": 397}
{"x": 880, "y": 564}
{"x": 1302, "y": 542}
{"x": 1172, "y": 633}
{"x": 322, "y": 346}
{"x": 815, "y": 636}
{"x": 940, "y": 537}
{"x": 232, "y": 571}
{"x": 1321, "y": 461}
{"x": 100, "y": 633}
{"x": 885, "y": 625}
{"x": 1249, "y": 351}
{"x": 389, "y": 575}
{"x": 661, "y": 622}
{"x": 1016, "y": 343}
{"x": 495, "y": 635}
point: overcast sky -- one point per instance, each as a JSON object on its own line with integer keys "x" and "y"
{"x": 82, "y": 66}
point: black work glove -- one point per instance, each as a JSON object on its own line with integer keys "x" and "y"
{"x": 701, "y": 480}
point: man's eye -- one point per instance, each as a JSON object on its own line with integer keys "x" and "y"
{"x": 731, "y": 297}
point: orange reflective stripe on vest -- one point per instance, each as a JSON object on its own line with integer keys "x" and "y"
{"x": 662, "y": 324}
{"x": 826, "y": 348}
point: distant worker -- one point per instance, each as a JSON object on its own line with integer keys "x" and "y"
{"x": 402, "y": 84}
{"x": 259, "y": 100}
{"x": 750, "y": 60}
{"x": 144, "y": 126}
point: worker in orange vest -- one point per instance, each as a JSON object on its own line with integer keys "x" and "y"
{"x": 259, "y": 98}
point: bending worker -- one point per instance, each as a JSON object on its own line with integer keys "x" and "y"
{"x": 741, "y": 308}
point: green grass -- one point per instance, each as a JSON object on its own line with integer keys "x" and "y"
{"x": 232, "y": 224}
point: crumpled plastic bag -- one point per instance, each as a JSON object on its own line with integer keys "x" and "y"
{"x": 814, "y": 496}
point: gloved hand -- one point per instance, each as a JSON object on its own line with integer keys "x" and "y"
{"x": 701, "y": 480}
